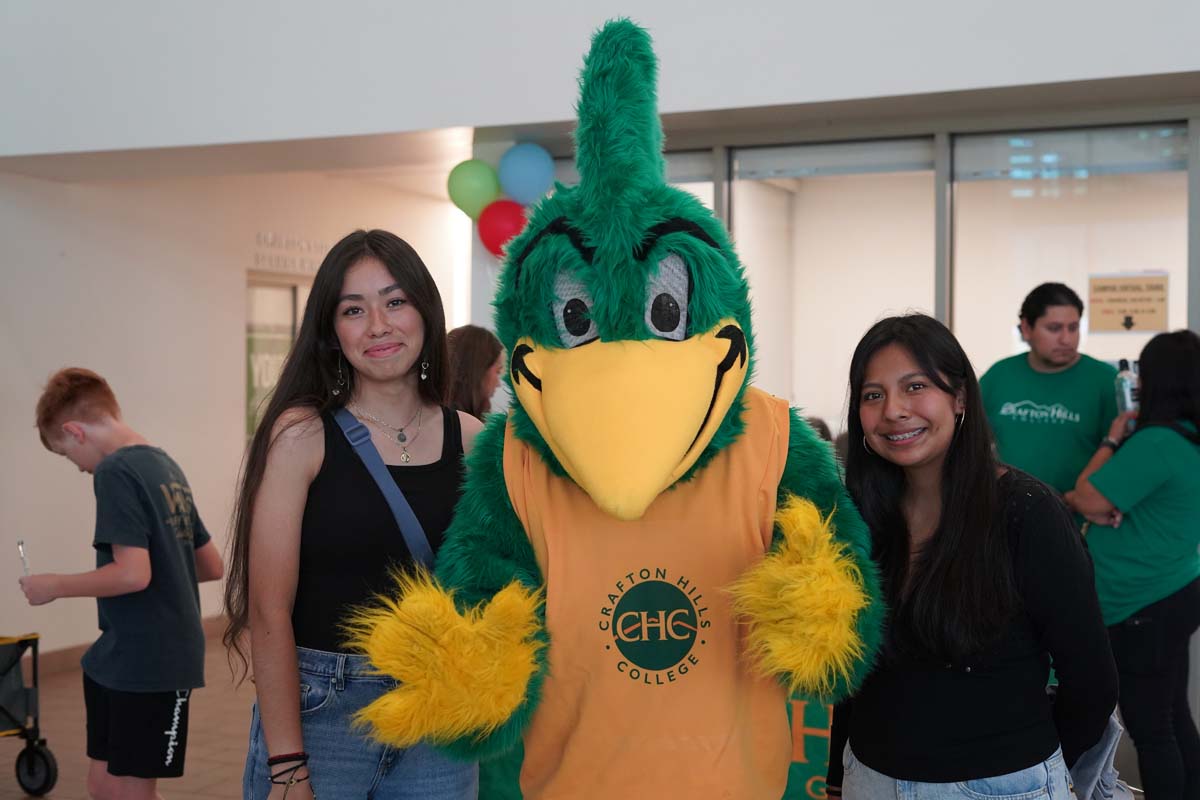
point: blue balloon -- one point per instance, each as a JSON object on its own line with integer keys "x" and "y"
{"x": 526, "y": 172}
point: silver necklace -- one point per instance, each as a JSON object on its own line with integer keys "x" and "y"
{"x": 400, "y": 433}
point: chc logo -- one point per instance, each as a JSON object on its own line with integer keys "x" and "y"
{"x": 644, "y": 626}
{"x": 654, "y": 625}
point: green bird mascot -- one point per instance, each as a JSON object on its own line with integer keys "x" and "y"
{"x": 649, "y": 554}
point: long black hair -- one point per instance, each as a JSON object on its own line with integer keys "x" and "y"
{"x": 311, "y": 374}
{"x": 961, "y": 590}
{"x": 1169, "y": 369}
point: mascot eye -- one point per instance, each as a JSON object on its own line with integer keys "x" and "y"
{"x": 575, "y": 317}
{"x": 573, "y": 311}
{"x": 667, "y": 298}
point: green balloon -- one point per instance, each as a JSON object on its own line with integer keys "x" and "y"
{"x": 473, "y": 185}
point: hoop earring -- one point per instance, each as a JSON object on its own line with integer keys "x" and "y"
{"x": 424, "y": 370}
{"x": 341, "y": 381}
{"x": 866, "y": 446}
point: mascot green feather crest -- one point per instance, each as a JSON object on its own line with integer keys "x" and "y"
{"x": 619, "y": 138}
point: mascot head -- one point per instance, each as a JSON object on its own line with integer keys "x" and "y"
{"x": 622, "y": 305}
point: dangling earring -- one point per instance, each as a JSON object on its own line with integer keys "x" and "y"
{"x": 341, "y": 381}
{"x": 424, "y": 370}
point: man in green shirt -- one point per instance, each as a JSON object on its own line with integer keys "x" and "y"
{"x": 1050, "y": 407}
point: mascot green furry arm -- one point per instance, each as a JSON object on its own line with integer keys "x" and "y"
{"x": 648, "y": 552}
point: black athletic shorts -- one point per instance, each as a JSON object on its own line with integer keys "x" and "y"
{"x": 139, "y": 734}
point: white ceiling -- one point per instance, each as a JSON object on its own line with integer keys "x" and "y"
{"x": 410, "y": 162}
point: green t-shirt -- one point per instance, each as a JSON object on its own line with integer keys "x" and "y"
{"x": 1049, "y": 423}
{"x": 1154, "y": 479}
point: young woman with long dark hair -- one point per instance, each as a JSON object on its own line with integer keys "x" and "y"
{"x": 987, "y": 581}
{"x": 476, "y": 363}
{"x": 1144, "y": 491}
{"x": 314, "y": 537}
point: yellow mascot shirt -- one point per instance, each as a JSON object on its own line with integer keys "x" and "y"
{"x": 648, "y": 694}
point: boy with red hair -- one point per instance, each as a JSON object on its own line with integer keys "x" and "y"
{"x": 151, "y": 549}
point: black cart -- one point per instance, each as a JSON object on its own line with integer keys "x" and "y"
{"x": 37, "y": 771}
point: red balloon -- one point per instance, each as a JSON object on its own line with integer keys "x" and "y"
{"x": 499, "y": 223}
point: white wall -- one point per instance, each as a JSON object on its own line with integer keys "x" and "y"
{"x": 77, "y": 75}
{"x": 145, "y": 282}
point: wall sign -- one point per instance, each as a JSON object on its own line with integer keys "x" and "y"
{"x": 1127, "y": 303}
{"x": 275, "y": 252}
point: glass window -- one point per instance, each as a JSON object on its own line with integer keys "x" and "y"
{"x": 1065, "y": 206}
{"x": 833, "y": 237}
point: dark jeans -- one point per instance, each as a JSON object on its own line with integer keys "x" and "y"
{"x": 1151, "y": 651}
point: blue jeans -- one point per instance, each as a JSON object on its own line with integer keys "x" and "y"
{"x": 343, "y": 762}
{"x": 1049, "y": 780}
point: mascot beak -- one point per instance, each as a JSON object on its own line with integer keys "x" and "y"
{"x": 627, "y": 419}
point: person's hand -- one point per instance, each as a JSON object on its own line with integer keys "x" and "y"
{"x": 39, "y": 589}
{"x": 1120, "y": 427}
{"x": 1111, "y": 519}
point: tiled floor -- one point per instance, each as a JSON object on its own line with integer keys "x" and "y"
{"x": 220, "y": 719}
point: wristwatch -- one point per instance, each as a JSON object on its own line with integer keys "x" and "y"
{"x": 1110, "y": 443}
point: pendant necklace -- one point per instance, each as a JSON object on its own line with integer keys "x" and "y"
{"x": 400, "y": 433}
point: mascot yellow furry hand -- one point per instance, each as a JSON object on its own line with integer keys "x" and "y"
{"x": 649, "y": 553}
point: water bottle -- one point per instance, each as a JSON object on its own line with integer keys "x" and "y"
{"x": 1127, "y": 389}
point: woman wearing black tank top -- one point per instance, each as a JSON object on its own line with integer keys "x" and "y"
{"x": 314, "y": 536}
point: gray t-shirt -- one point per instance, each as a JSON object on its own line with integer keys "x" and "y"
{"x": 152, "y": 640}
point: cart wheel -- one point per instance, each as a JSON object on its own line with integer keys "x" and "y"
{"x": 37, "y": 771}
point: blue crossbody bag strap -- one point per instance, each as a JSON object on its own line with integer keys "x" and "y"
{"x": 410, "y": 527}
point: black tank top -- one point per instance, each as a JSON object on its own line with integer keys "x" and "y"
{"x": 349, "y": 539}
